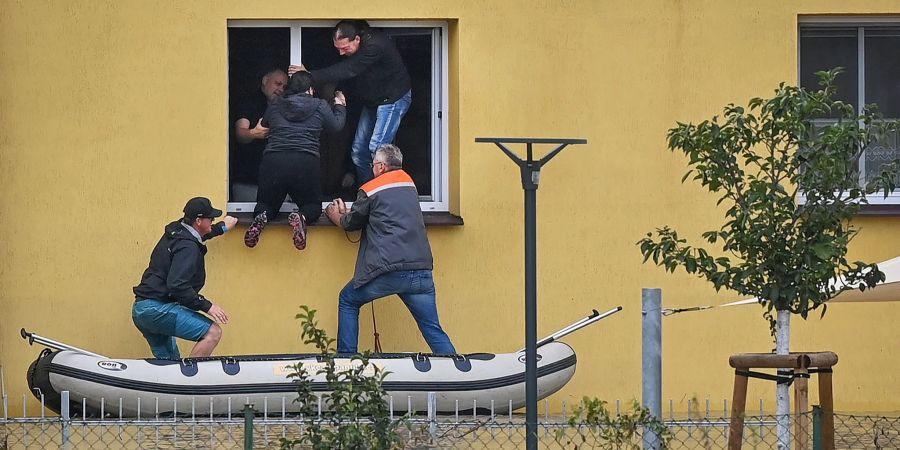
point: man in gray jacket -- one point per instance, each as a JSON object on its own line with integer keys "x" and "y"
{"x": 394, "y": 255}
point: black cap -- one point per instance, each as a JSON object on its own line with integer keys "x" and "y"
{"x": 200, "y": 207}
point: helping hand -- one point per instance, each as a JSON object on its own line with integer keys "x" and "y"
{"x": 292, "y": 69}
{"x": 230, "y": 222}
{"x": 259, "y": 131}
{"x": 339, "y": 98}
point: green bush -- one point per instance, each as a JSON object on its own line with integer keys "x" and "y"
{"x": 592, "y": 425}
{"x": 355, "y": 414}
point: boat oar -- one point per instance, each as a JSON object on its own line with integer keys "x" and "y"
{"x": 595, "y": 316}
{"x": 32, "y": 338}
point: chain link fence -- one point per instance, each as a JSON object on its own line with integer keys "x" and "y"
{"x": 456, "y": 431}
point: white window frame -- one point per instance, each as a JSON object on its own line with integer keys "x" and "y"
{"x": 859, "y": 22}
{"x": 439, "y": 200}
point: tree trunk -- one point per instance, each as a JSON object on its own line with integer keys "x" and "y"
{"x": 782, "y": 391}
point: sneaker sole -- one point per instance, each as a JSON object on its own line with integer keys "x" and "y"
{"x": 299, "y": 232}
{"x": 251, "y": 237}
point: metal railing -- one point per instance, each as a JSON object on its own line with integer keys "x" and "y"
{"x": 463, "y": 429}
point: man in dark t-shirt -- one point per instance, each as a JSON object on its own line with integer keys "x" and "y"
{"x": 250, "y": 136}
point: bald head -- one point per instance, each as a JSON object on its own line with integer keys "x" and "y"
{"x": 273, "y": 84}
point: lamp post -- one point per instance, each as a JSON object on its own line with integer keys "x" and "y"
{"x": 531, "y": 176}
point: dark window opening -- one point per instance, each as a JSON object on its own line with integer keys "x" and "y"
{"x": 252, "y": 51}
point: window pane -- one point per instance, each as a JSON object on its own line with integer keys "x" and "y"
{"x": 883, "y": 152}
{"x": 253, "y": 49}
{"x": 251, "y": 53}
{"x": 883, "y": 70}
{"x": 414, "y": 137}
{"x": 317, "y": 51}
{"x": 415, "y": 134}
{"x": 825, "y": 49}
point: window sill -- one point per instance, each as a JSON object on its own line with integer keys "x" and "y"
{"x": 880, "y": 210}
{"x": 432, "y": 219}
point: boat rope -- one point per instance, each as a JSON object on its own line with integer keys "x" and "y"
{"x": 347, "y": 235}
{"x": 670, "y": 311}
{"x": 375, "y": 328}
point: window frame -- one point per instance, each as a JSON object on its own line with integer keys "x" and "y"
{"x": 439, "y": 200}
{"x": 878, "y": 200}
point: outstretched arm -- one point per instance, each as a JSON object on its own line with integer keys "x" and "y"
{"x": 245, "y": 134}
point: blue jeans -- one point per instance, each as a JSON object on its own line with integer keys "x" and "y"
{"x": 415, "y": 288}
{"x": 377, "y": 126}
{"x": 160, "y": 322}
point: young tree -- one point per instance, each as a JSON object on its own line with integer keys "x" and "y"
{"x": 357, "y": 415}
{"x": 786, "y": 170}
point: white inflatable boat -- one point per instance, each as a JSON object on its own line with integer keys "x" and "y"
{"x": 222, "y": 385}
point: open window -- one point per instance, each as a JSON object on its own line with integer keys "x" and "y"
{"x": 869, "y": 51}
{"x": 257, "y": 46}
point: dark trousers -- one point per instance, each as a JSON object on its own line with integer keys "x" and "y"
{"x": 289, "y": 172}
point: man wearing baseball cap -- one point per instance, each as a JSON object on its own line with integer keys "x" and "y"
{"x": 168, "y": 300}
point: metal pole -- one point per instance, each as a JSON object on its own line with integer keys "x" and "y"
{"x": 530, "y": 306}
{"x": 531, "y": 176}
{"x": 817, "y": 427}
{"x": 248, "y": 426}
{"x": 32, "y": 338}
{"x": 65, "y": 417}
{"x": 432, "y": 417}
{"x": 593, "y": 318}
{"x": 651, "y": 351}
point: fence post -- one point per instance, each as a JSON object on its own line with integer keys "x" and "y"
{"x": 248, "y": 426}
{"x": 432, "y": 417}
{"x": 651, "y": 332}
{"x": 65, "y": 417}
{"x": 817, "y": 427}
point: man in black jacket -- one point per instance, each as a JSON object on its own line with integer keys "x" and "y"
{"x": 168, "y": 298}
{"x": 382, "y": 83}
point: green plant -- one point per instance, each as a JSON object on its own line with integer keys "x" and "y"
{"x": 759, "y": 161}
{"x": 356, "y": 415}
{"x": 592, "y": 425}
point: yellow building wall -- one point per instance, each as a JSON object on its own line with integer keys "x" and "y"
{"x": 114, "y": 113}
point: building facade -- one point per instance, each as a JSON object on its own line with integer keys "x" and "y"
{"x": 118, "y": 112}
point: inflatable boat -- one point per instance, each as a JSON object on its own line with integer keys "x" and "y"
{"x": 476, "y": 382}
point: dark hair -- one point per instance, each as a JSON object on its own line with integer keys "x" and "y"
{"x": 299, "y": 82}
{"x": 350, "y": 29}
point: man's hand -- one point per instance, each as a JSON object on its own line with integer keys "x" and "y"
{"x": 339, "y": 98}
{"x": 335, "y": 210}
{"x": 292, "y": 69}
{"x": 341, "y": 206}
{"x": 259, "y": 131}
{"x": 246, "y": 135}
{"x": 218, "y": 314}
{"x": 230, "y": 222}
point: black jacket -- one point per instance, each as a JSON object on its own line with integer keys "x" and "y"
{"x": 295, "y": 123}
{"x": 381, "y": 76}
{"x": 177, "y": 269}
